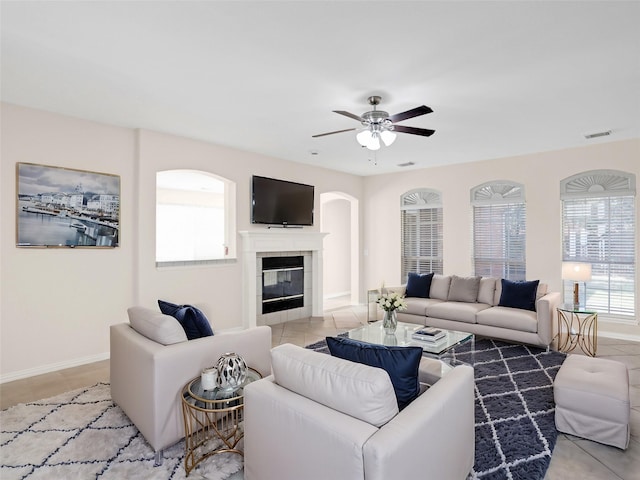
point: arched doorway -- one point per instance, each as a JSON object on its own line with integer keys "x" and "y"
{"x": 341, "y": 266}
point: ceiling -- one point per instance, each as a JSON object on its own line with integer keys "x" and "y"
{"x": 503, "y": 78}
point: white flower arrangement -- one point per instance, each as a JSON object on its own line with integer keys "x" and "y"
{"x": 391, "y": 301}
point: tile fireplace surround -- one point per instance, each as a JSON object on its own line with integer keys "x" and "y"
{"x": 285, "y": 241}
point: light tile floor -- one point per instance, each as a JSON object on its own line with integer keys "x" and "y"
{"x": 573, "y": 457}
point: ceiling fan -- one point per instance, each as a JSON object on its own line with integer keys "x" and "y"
{"x": 379, "y": 125}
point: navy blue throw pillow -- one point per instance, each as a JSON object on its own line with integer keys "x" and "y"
{"x": 418, "y": 285}
{"x": 519, "y": 294}
{"x": 193, "y": 321}
{"x": 401, "y": 363}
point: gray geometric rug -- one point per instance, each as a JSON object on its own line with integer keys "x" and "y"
{"x": 83, "y": 435}
{"x": 515, "y": 426}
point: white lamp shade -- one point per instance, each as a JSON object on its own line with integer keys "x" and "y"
{"x": 364, "y": 137}
{"x": 388, "y": 137}
{"x": 374, "y": 143}
{"x": 578, "y": 272}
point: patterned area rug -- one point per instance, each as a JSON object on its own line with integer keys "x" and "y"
{"x": 83, "y": 435}
{"x": 515, "y": 426}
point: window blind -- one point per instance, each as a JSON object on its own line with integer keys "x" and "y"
{"x": 499, "y": 240}
{"x": 601, "y": 231}
{"x": 421, "y": 241}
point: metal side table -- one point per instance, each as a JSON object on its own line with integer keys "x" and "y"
{"x": 212, "y": 420}
{"x": 577, "y": 326}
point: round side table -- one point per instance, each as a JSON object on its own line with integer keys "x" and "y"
{"x": 577, "y": 326}
{"x": 212, "y": 420}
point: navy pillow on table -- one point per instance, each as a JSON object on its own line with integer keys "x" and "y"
{"x": 520, "y": 294}
{"x": 401, "y": 363}
{"x": 193, "y": 321}
{"x": 418, "y": 285}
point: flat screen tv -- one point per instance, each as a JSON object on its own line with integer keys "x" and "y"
{"x": 278, "y": 202}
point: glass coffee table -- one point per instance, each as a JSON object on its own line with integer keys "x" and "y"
{"x": 374, "y": 333}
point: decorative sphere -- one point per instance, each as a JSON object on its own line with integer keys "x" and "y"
{"x": 232, "y": 371}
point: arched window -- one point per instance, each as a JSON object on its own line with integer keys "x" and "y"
{"x": 499, "y": 230}
{"x": 598, "y": 228}
{"x": 421, "y": 217}
{"x": 195, "y": 217}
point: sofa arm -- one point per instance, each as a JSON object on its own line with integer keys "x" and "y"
{"x": 400, "y": 290}
{"x": 284, "y": 433}
{"x": 546, "y": 308}
{"x": 147, "y": 377}
{"x": 432, "y": 438}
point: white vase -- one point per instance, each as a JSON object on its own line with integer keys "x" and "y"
{"x": 390, "y": 322}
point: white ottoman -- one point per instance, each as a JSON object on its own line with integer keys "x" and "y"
{"x": 592, "y": 400}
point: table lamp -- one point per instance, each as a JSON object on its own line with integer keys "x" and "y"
{"x": 577, "y": 272}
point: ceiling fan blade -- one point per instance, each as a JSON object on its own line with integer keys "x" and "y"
{"x": 331, "y": 133}
{"x": 414, "y": 112}
{"x": 350, "y": 115}
{"x": 413, "y": 130}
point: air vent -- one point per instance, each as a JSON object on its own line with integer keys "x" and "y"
{"x": 408, "y": 164}
{"x": 589, "y": 136}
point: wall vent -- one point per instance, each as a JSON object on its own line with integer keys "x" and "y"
{"x": 589, "y": 136}
{"x": 407, "y": 164}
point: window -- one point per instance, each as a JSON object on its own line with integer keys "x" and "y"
{"x": 499, "y": 230}
{"x": 195, "y": 215}
{"x": 598, "y": 227}
{"x": 421, "y": 216}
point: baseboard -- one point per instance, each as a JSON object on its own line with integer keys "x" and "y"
{"x": 619, "y": 336}
{"x": 336, "y": 295}
{"x": 52, "y": 367}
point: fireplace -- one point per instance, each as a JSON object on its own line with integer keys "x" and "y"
{"x": 282, "y": 283}
{"x": 258, "y": 245}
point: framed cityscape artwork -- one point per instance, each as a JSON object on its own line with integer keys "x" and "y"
{"x": 64, "y": 207}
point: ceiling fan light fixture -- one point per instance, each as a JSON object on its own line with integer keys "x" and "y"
{"x": 374, "y": 144}
{"x": 364, "y": 137}
{"x": 388, "y": 137}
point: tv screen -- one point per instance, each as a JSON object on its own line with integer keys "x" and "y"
{"x": 278, "y": 202}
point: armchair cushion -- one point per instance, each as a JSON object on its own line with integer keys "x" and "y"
{"x": 194, "y": 322}
{"x": 156, "y": 326}
{"x": 401, "y": 363}
{"x": 335, "y": 383}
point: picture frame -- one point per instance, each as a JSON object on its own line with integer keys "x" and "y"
{"x": 66, "y": 207}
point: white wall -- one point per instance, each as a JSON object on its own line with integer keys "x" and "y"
{"x": 540, "y": 173}
{"x": 57, "y": 304}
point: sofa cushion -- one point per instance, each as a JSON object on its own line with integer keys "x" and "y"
{"x": 160, "y": 328}
{"x": 440, "y": 287}
{"x": 418, "y": 306}
{"x": 463, "y": 289}
{"x": 458, "y": 311}
{"x": 401, "y": 363}
{"x": 487, "y": 290}
{"x": 194, "y": 322}
{"x": 540, "y": 292}
{"x": 511, "y": 318}
{"x": 358, "y": 390}
{"x": 418, "y": 285}
{"x": 520, "y": 294}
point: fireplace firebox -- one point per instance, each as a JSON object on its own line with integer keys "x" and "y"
{"x": 282, "y": 283}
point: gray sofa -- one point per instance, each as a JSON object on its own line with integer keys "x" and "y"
{"x": 483, "y": 316}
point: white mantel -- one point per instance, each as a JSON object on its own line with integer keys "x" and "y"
{"x": 281, "y": 240}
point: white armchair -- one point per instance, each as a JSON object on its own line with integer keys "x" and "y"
{"x": 147, "y": 377}
{"x": 321, "y": 417}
